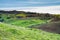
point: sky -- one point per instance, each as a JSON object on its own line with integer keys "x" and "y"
{"x": 41, "y": 6}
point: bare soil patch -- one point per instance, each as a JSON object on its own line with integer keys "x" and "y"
{"x": 50, "y": 27}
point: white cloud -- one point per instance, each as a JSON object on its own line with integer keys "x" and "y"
{"x": 49, "y": 9}
{"x": 46, "y": 9}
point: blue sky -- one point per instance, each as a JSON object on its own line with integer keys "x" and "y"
{"x": 28, "y": 3}
{"x": 41, "y": 6}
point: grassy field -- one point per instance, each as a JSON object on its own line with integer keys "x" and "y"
{"x": 19, "y": 30}
{"x": 27, "y": 22}
{"x": 19, "y": 26}
{"x": 12, "y": 32}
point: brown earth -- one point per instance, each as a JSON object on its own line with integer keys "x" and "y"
{"x": 50, "y": 27}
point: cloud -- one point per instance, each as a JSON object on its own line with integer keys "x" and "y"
{"x": 49, "y": 9}
{"x": 46, "y": 9}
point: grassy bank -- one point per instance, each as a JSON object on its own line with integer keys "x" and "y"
{"x": 11, "y": 32}
{"x": 27, "y": 22}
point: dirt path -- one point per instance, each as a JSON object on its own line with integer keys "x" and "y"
{"x": 50, "y": 27}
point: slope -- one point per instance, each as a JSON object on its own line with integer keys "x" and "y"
{"x": 11, "y": 32}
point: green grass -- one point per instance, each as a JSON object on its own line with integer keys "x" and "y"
{"x": 11, "y": 32}
{"x": 27, "y": 22}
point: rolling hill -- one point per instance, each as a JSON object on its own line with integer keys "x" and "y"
{"x": 11, "y": 32}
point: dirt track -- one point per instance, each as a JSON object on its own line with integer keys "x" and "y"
{"x": 50, "y": 27}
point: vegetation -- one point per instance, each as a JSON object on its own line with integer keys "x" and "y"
{"x": 19, "y": 25}
{"x": 27, "y": 22}
{"x": 11, "y": 32}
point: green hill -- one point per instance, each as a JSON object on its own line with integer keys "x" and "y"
{"x": 11, "y": 32}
